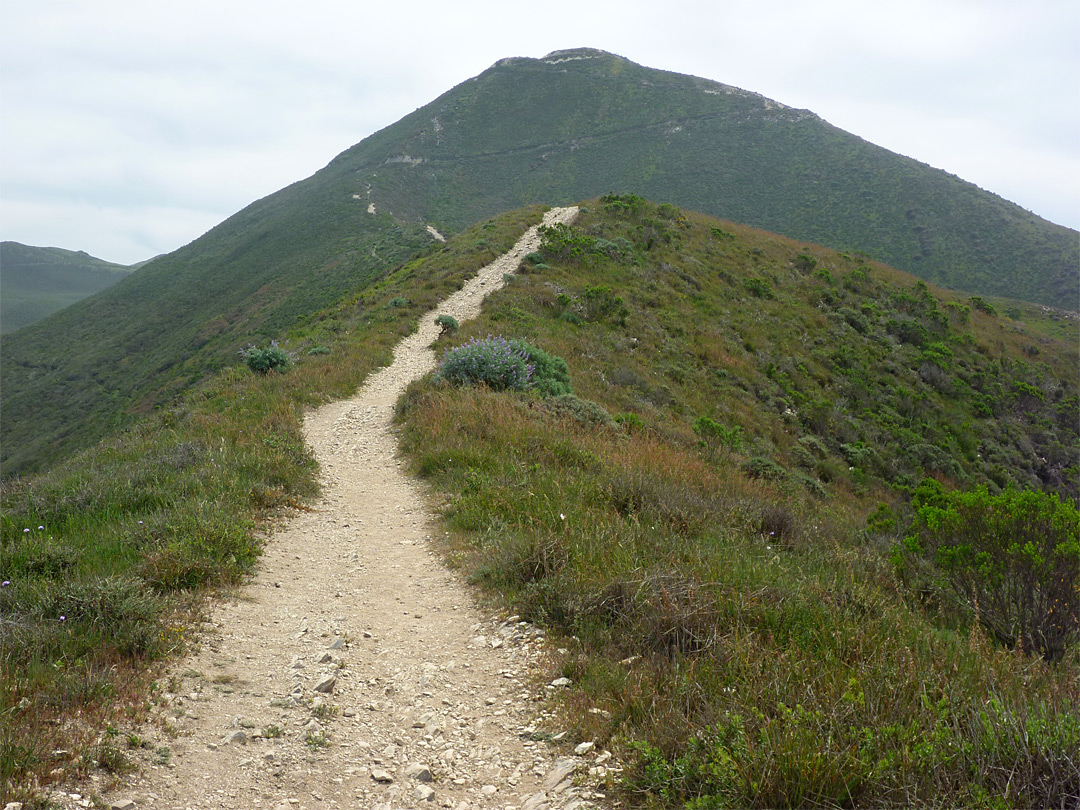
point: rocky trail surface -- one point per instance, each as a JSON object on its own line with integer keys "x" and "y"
{"x": 355, "y": 670}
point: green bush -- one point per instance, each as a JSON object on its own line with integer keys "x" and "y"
{"x": 447, "y": 323}
{"x": 599, "y": 302}
{"x": 759, "y": 287}
{"x": 1009, "y": 561}
{"x": 710, "y": 430}
{"x": 503, "y": 364}
{"x": 764, "y": 468}
{"x": 265, "y": 359}
{"x": 580, "y": 410}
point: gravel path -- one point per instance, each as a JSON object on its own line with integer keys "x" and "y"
{"x": 355, "y": 670}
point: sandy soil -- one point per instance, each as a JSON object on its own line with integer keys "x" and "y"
{"x": 355, "y": 670}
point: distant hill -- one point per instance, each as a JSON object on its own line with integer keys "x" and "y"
{"x": 570, "y": 126}
{"x": 38, "y": 281}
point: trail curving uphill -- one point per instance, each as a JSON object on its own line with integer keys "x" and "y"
{"x": 354, "y": 670}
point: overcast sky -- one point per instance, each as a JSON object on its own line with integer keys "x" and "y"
{"x": 129, "y": 128}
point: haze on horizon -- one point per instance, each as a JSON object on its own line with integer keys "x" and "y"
{"x": 130, "y": 129}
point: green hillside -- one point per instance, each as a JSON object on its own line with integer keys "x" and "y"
{"x": 38, "y": 281}
{"x": 566, "y": 127}
{"x": 575, "y": 124}
{"x": 712, "y": 524}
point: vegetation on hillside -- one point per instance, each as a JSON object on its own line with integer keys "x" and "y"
{"x": 718, "y": 526}
{"x": 584, "y": 122}
{"x": 38, "y": 281}
{"x": 713, "y": 514}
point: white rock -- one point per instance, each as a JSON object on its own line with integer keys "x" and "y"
{"x": 561, "y": 682}
{"x": 424, "y": 793}
{"x": 421, "y": 773}
{"x": 326, "y": 684}
{"x": 584, "y": 748}
{"x": 379, "y": 775}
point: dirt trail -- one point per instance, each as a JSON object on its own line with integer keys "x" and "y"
{"x": 354, "y": 670}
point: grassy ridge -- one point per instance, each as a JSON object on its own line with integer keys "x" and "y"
{"x": 104, "y": 557}
{"x": 713, "y": 539}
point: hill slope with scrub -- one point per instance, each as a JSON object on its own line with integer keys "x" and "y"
{"x": 38, "y": 281}
{"x": 709, "y": 510}
{"x": 760, "y": 518}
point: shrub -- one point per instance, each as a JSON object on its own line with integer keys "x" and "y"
{"x": 447, "y": 324}
{"x": 580, "y": 410}
{"x": 1009, "y": 561}
{"x": 759, "y": 287}
{"x": 551, "y": 375}
{"x": 265, "y": 359}
{"x": 709, "y": 429}
{"x": 764, "y": 468}
{"x": 397, "y": 303}
{"x": 503, "y": 364}
{"x": 491, "y": 361}
{"x": 599, "y": 302}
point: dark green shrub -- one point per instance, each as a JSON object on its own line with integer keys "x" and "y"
{"x": 265, "y": 359}
{"x": 397, "y": 303}
{"x": 712, "y": 431}
{"x": 759, "y": 287}
{"x": 317, "y": 350}
{"x": 599, "y": 302}
{"x": 447, "y": 324}
{"x": 982, "y": 305}
{"x": 551, "y": 375}
{"x": 630, "y": 421}
{"x": 764, "y": 468}
{"x": 805, "y": 262}
{"x": 1009, "y": 561}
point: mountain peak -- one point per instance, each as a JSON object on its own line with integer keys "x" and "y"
{"x": 576, "y": 55}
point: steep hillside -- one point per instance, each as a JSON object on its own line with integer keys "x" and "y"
{"x": 566, "y": 127}
{"x": 38, "y": 281}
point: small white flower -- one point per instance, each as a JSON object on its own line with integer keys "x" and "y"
{"x": 562, "y": 516}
